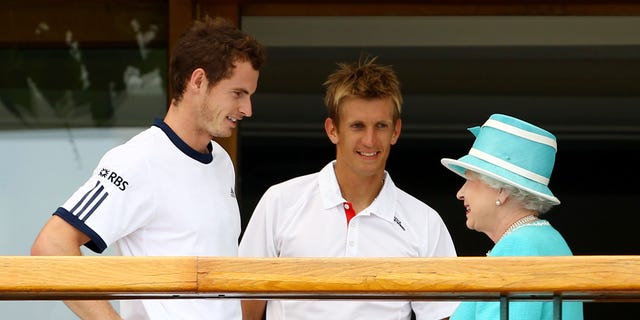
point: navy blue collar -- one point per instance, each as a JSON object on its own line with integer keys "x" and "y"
{"x": 186, "y": 149}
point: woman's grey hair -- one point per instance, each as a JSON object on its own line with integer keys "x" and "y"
{"x": 528, "y": 200}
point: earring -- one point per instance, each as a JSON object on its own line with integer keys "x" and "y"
{"x": 498, "y": 203}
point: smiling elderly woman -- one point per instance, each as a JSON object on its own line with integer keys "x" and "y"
{"x": 507, "y": 174}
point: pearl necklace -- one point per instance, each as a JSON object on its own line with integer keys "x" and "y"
{"x": 522, "y": 221}
{"x": 519, "y": 223}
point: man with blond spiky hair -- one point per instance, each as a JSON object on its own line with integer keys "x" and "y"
{"x": 351, "y": 208}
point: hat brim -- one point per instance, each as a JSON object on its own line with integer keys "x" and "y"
{"x": 472, "y": 163}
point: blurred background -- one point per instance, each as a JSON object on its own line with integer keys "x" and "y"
{"x": 79, "y": 77}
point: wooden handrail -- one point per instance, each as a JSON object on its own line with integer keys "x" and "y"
{"x": 586, "y": 278}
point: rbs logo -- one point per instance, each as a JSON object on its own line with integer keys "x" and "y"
{"x": 117, "y": 180}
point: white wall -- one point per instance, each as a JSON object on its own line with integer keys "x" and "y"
{"x": 39, "y": 169}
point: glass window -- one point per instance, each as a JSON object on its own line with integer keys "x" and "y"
{"x": 77, "y": 64}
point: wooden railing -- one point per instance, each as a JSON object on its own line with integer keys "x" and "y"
{"x": 585, "y": 278}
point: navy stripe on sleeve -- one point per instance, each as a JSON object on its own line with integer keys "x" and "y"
{"x": 89, "y": 203}
{"x": 92, "y": 199}
{"x": 84, "y": 197}
{"x": 104, "y": 196}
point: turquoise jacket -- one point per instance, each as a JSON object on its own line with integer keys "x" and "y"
{"x": 535, "y": 239}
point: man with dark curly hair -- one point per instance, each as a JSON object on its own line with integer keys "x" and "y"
{"x": 169, "y": 191}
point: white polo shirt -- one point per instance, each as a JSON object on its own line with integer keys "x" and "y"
{"x": 156, "y": 196}
{"x": 305, "y": 217}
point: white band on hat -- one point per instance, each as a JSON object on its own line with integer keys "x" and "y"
{"x": 509, "y": 166}
{"x": 522, "y": 133}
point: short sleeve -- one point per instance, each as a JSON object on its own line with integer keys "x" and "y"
{"x": 258, "y": 238}
{"x": 115, "y": 201}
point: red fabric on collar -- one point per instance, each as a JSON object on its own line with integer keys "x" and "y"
{"x": 348, "y": 211}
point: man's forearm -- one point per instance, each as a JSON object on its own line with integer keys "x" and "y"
{"x": 253, "y": 309}
{"x": 93, "y": 309}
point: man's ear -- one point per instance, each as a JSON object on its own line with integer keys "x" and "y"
{"x": 396, "y": 131}
{"x": 198, "y": 79}
{"x": 332, "y": 130}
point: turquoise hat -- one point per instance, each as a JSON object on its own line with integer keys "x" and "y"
{"x": 512, "y": 151}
